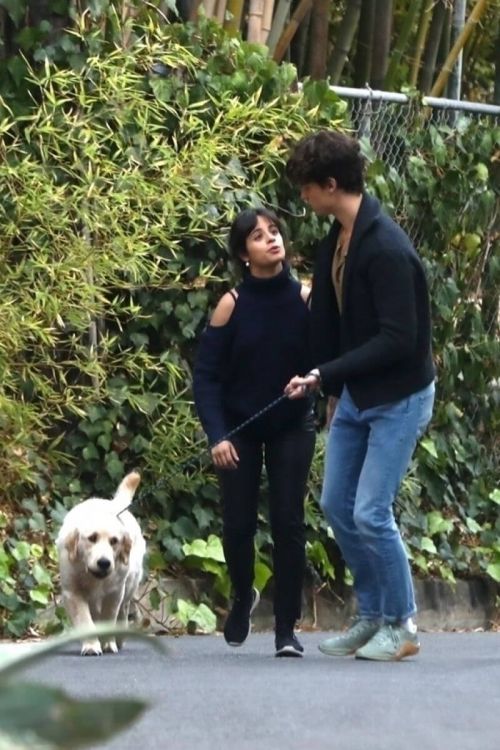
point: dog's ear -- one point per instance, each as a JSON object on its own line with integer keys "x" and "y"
{"x": 71, "y": 544}
{"x": 125, "y": 547}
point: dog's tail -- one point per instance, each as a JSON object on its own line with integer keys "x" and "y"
{"x": 125, "y": 492}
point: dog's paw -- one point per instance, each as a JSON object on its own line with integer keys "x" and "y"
{"x": 110, "y": 647}
{"x": 91, "y": 648}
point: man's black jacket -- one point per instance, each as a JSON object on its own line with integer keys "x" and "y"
{"x": 380, "y": 346}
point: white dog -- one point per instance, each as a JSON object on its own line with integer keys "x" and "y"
{"x": 101, "y": 551}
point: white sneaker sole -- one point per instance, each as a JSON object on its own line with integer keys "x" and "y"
{"x": 289, "y": 651}
{"x": 407, "y": 649}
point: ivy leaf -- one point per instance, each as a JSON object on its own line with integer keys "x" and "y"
{"x": 429, "y": 446}
{"x": 317, "y": 553}
{"x": 203, "y": 517}
{"x": 493, "y": 570}
{"x": 427, "y": 545}
{"x": 436, "y": 523}
{"x": 262, "y": 573}
{"x": 421, "y": 562}
{"x": 472, "y": 525}
{"x": 495, "y": 496}
{"x": 114, "y": 466}
{"x": 210, "y": 549}
{"x": 21, "y": 551}
{"x": 15, "y": 8}
{"x": 40, "y": 596}
{"x": 200, "y": 615}
{"x": 41, "y": 575}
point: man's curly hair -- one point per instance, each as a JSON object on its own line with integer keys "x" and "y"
{"x": 324, "y": 155}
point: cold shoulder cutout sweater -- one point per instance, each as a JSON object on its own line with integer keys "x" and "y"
{"x": 244, "y": 365}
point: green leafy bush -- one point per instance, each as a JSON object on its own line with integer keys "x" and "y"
{"x": 452, "y": 189}
{"x": 119, "y": 183}
{"x": 118, "y": 188}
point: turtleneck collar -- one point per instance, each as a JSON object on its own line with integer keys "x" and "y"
{"x": 258, "y": 284}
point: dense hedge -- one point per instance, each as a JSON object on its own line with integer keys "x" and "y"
{"x": 118, "y": 188}
{"x": 452, "y": 188}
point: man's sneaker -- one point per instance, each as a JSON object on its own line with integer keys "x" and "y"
{"x": 288, "y": 645}
{"x": 390, "y": 643}
{"x": 347, "y": 643}
{"x": 237, "y": 625}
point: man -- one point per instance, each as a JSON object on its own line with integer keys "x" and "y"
{"x": 371, "y": 333}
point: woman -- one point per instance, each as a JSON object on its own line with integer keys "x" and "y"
{"x": 256, "y": 341}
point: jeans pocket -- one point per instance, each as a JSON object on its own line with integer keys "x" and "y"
{"x": 426, "y": 405}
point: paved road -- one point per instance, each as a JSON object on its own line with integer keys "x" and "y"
{"x": 206, "y": 696}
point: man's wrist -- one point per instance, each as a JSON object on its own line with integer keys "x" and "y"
{"x": 315, "y": 373}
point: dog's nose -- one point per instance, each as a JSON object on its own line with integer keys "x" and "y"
{"x": 103, "y": 563}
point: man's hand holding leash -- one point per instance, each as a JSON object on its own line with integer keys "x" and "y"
{"x": 298, "y": 387}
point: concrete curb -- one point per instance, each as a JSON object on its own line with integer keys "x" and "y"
{"x": 465, "y": 605}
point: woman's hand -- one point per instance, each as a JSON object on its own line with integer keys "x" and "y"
{"x": 224, "y": 455}
{"x": 299, "y": 387}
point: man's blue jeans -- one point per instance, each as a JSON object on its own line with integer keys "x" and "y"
{"x": 367, "y": 455}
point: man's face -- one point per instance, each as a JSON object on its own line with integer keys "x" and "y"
{"x": 319, "y": 198}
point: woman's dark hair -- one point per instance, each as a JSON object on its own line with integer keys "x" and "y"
{"x": 242, "y": 226}
{"x": 325, "y": 154}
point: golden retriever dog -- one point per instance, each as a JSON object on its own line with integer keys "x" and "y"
{"x": 101, "y": 551}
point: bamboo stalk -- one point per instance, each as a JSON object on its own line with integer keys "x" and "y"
{"x": 220, "y": 13}
{"x": 475, "y": 44}
{"x": 4, "y": 47}
{"x": 344, "y": 39}
{"x": 445, "y": 41}
{"x": 129, "y": 12}
{"x": 454, "y": 88}
{"x": 267, "y": 20}
{"x": 447, "y": 68}
{"x": 401, "y": 43}
{"x": 381, "y": 42}
{"x": 423, "y": 28}
{"x": 235, "y": 9}
{"x": 318, "y": 49}
{"x": 298, "y": 16}
{"x": 194, "y": 10}
{"x": 432, "y": 45}
{"x": 496, "y": 90}
{"x": 301, "y": 45}
{"x": 255, "y": 18}
{"x": 279, "y": 23}
{"x": 364, "y": 44}
{"x": 209, "y": 6}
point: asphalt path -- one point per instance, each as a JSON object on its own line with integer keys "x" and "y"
{"x": 204, "y": 695}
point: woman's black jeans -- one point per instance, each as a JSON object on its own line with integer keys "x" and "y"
{"x": 287, "y": 457}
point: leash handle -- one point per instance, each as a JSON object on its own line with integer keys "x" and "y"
{"x": 251, "y": 419}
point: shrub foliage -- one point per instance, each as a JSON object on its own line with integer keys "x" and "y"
{"x": 118, "y": 188}
{"x": 119, "y": 184}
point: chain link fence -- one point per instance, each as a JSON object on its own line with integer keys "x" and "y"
{"x": 384, "y": 119}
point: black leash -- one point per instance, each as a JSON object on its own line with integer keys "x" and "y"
{"x": 248, "y": 421}
{"x": 227, "y": 436}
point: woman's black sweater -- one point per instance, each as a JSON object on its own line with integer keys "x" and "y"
{"x": 244, "y": 365}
